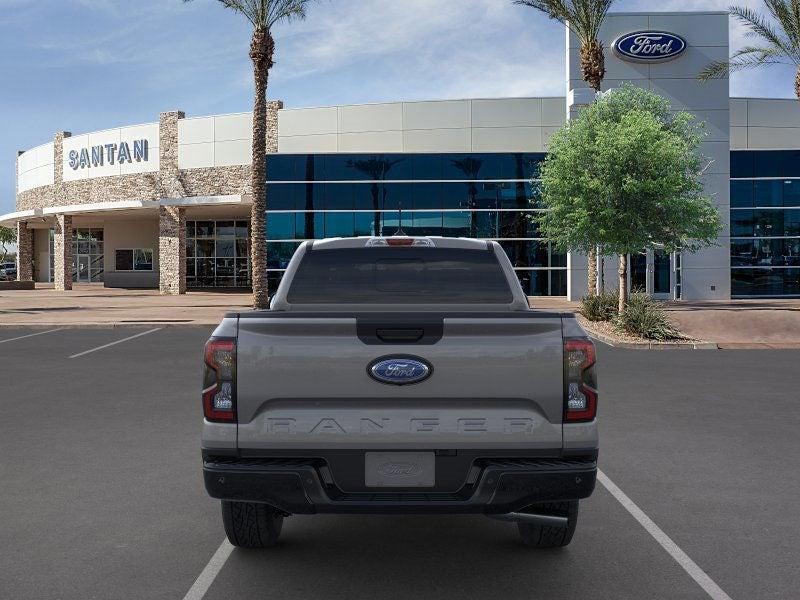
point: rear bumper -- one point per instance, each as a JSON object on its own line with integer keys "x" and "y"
{"x": 299, "y": 486}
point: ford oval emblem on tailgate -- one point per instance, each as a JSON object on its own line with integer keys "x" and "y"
{"x": 399, "y": 370}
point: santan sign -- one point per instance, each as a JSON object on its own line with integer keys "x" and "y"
{"x": 649, "y": 46}
{"x": 97, "y": 156}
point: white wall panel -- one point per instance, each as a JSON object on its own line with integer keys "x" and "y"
{"x": 308, "y": 121}
{"x": 773, "y": 113}
{"x": 717, "y": 124}
{"x": 437, "y": 115}
{"x": 437, "y": 140}
{"x": 739, "y": 138}
{"x": 507, "y": 139}
{"x": 233, "y": 127}
{"x": 738, "y": 108}
{"x": 691, "y": 94}
{"x": 196, "y": 131}
{"x": 507, "y": 112}
{"x": 234, "y": 152}
{"x": 766, "y": 138}
{"x": 299, "y": 144}
{"x": 709, "y": 29}
{"x": 195, "y": 156}
{"x": 554, "y": 111}
{"x": 371, "y": 141}
{"x": 370, "y": 117}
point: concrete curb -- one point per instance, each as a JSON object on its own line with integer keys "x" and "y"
{"x": 651, "y": 345}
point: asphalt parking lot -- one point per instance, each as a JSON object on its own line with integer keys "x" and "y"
{"x": 102, "y": 494}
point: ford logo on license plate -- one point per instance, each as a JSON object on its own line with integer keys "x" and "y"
{"x": 399, "y": 370}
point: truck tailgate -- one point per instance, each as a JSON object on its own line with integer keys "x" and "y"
{"x": 303, "y": 382}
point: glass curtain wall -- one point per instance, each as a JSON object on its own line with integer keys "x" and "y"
{"x": 487, "y": 196}
{"x": 88, "y": 262}
{"x": 217, "y": 254}
{"x": 765, "y": 223}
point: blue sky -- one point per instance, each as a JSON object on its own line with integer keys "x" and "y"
{"x": 84, "y": 65}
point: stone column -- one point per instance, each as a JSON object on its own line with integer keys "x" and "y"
{"x": 171, "y": 219}
{"x": 273, "y": 106}
{"x": 62, "y": 250}
{"x": 171, "y": 250}
{"x": 24, "y": 252}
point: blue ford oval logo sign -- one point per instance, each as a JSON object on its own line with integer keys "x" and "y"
{"x": 399, "y": 370}
{"x": 649, "y": 46}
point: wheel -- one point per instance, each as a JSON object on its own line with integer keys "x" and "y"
{"x": 543, "y": 536}
{"x": 251, "y": 525}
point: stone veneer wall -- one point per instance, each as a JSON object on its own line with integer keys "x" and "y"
{"x": 62, "y": 251}
{"x": 169, "y": 182}
{"x": 24, "y": 252}
{"x": 172, "y": 250}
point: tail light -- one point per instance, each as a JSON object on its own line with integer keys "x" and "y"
{"x": 219, "y": 380}
{"x": 580, "y": 395}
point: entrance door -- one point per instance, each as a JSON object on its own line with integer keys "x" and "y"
{"x": 638, "y": 268}
{"x": 650, "y": 272}
{"x": 83, "y": 268}
{"x": 662, "y": 270}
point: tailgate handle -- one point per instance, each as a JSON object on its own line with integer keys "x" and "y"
{"x": 406, "y": 336}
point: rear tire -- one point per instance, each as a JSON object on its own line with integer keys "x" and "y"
{"x": 543, "y": 536}
{"x": 251, "y": 525}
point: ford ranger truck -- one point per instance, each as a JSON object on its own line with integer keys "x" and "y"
{"x": 399, "y": 375}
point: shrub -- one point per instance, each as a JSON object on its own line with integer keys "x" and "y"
{"x": 602, "y": 307}
{"x": 646, "y": 318}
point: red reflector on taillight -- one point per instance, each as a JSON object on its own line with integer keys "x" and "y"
{"x": 580, "y": 395}
{"x": 219, "y": 385}
{"x": 400, "y": 241}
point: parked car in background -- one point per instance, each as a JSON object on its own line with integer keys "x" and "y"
{"x": 8, "y": 271}
{"x": 400, "y": 375}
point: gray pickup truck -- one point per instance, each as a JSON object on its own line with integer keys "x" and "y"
{"x": 399, "y": 375}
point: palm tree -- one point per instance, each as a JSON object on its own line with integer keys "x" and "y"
{"x": 779, "y": 37}
{"x": 263, "y": 15}
{"x": 584, "y": 19}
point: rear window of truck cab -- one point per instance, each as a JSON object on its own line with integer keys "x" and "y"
{"x": 399, "y": 275}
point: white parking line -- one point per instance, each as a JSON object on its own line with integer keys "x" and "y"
{"x": 214, "y": 566}
{"x": 115, "y": 343}
{"x": 695, "y": 572}
{"x": 22, "y": 337}
{"x": 209, "y": 574}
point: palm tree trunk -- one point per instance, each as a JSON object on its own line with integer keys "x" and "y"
{"x": 797, "y": 84}
{"x": 593, "y": 70}
{"x": 261, "y": 51}
{"x": 623, "y": 282}
{"x": 593, "y": 67}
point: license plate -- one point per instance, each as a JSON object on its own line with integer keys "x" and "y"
{"x": 400, "y": 469}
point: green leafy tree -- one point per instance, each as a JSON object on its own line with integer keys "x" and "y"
{"x": 8, "y": 236}
{"x": 584, "y": 19}
{"x": 778, "y": 40}
{"x": 626, "y": 175}
{"x": 263, "y": 15}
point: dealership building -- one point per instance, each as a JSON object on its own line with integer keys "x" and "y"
{"x": 167, "y": 204}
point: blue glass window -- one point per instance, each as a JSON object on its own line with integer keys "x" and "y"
{"x": 426, "y": 166}
{"x": 280, "y": 226}
{"x": 768, "y": 163}
{"x": 742, "y": 163}
{"x": 281, "y": 167}
{"x": 427, "y": 195}
{"x": 768, "y": 193}
{"x": 741, "y": 194}
{"x": 339, "y": 196}
{"x": 339, "y": 224}
{"x": 791, "y": 192}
